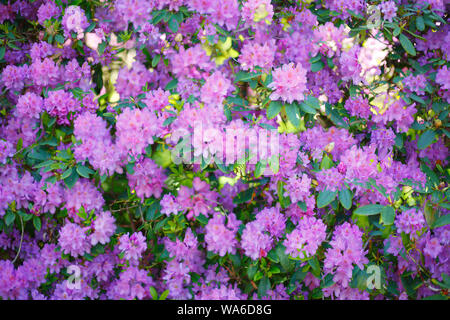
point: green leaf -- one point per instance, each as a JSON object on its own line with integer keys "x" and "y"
{"x": 84, "y": 171}
{"x": 436, "y": 297}
{"x": 19, "y": 145}
{"x": 158, "y": 17}
{"x": 442, "y": 221}
{"x": 345, "y": 198}
{"x": 173, "y": 24}
{"x": 71, "y": 180}
{"x": 153, "y": 293}
{"x": 325, "y": 198}
{"x": 245, "y": 76}
{"x": 396, "y": 31}
{"x": 314, "y": 263}
{"x": 44, "y": 164}
{"x": 243, "y": 196}
{"x": 369, "y": 210}
{"x": 420, "y": 23}
{"x": 313, "y": 102}
{"x": 287, "y": 264}
{"x": 272, "y": 256}
{"x": 155, "y": 60}
{"x": 164, "y": 295}
{"x": 425, "y": 139}
{"x": 90, "y": 28}
{"x": 293, "y": 114}
{"x": 387, "y": 215}
{"x": 82, "y": 213}
{"x": 327, "y": 281}
{"x": 317, "y": 66}
{"x": 251, "y": 271}
{"x": 263, "y": 287}
{"x": 168, "y": 121}
{"x": 307, "y": 108}
{"x": 417, "y": 98}
{"x": 407, "y": 44}
{"x": 101, "y": 47}
{"x": 37, "y": 223}
{"x": 273, "y": 109}
{"x": 9, "y": 218}
{"x": 326, "y": 163}
{"x": 66, "y": 173}
{"x": 59, "y": 38}
{"x": 172, "y": 84}
{"x": 2, "y": 52}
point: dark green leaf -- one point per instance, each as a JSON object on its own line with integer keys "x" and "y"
{"x": 325, "y": 198}
{"x": 345, "y": 198}
{"x": 243, "y": 196}
{"x": 273, "y": 109}
{"x": 387, "y": 215}
{"x": 245, "y": 76}
{"x": 172, "y": 84}
{"x": 263, "y": 287}
{"x": 59, "y": 38}
{"x": 369, "y": 210}
{"x": 420, "y": 23}
{"x": 293, "y": 114}
{"x": 155, "y": 60}
{"x": 66, "y": 173}
{"x": 442, "y": 221}
{"x": 84, "y": 171}
{"x": 407, "y": 44}
{"x": 317, "y": 66}
{"x": 425, "y": 139}
{"x": 37, "y": 223}
{"x": 173, "y": 24}
{"x": 71, "y": 180}
{"x": 9, "y": 218}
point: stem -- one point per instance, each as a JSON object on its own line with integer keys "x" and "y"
{"x": 21, "y": 240}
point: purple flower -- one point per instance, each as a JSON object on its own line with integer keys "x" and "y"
{"x": 410, "y": 221}
{"x": 255, "y": 242}
{"x": 289, "y": 83}
{"x": 73, "y": 239}
{"x": 74, "y": 20}
{"x": 169, "y": 205}
{"x": 306, "y": 238}
{"x": 47, "y": 11}
{"x": 133, "y": 246}
{"x": 219, "y": 237}
{"x": 103, "y": 228}
{"x": 389, "y": 9}
{"x": 147, "y": 179}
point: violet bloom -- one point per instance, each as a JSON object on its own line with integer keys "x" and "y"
{"x": 147, "y": 180}
{"x": 410, "y": 221}
{"x": 73, "y": 240}
{"x": 169, "y": 205}
{"x": 219, "y": 237}
{"x": 306, "y": 238}
{"x": 133, "y": 246}
{"x": 198, "y": 200}
{"x": 255, "y": 242}
{"x": 74, "y": 20}
{"x": 289, "y": 83}
{"x": 103, "y": 228}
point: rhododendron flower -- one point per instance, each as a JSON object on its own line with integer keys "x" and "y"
{"x": 289, "y": 83}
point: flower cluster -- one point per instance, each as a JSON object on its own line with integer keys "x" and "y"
{"x": 224, "y": 149}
